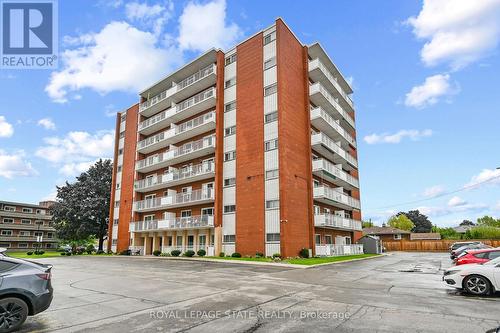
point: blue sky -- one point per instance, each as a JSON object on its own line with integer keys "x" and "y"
{"x": 425, "y": 76}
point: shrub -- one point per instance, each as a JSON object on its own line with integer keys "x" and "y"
{"x": 156, "y": 253}
{"x": 189, "y": 253}
{"x": 236, "y": 255}
{"x": 259, "y": 255}
{"x": 175, "y": 253}
{"x": 201, "y": 253}
{"x": 304, "y": 253}
{"x": 80, "y": 250}
{"x": 68, "y": 253}
{"x": 124, "y": 253}
{"x": 483, "y": 232}
{"x": 41, "y": 252}
{"x": 99, "y": 252}
{"x": 90, "y": 249}
{"x": 276, "y": 255}
{"x": 63, "y": 253}
{"x": 29, "y": 253}
{"x": 165, "y": 254}
{"x": 222, "y": 254}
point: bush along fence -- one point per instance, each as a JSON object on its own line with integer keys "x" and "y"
{"x": 442, "y": 245}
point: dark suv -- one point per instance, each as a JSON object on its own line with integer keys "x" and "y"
{"x": 25, "y": 290}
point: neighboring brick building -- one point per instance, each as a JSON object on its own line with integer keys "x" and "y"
{"x": 21, "y": 224}
{"x": 247, "y": 150}
{"x": 387, "y": 233}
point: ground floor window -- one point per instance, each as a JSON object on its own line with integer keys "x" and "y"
{"x": 328, "y": 239}
{"x": 318, "y": 238}
{"x": 22, "y": 245}
{"x": 229, "y": 238}
{"x": 348, "y": 240}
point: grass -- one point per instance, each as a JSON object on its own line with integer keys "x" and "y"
{"x": 303, "y": 261}
{"x": 47, "y": 254}
{"x": 243, "y": 259}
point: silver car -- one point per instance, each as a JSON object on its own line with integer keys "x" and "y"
{"x": 25, "y": 290}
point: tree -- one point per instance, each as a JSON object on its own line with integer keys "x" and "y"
{"x": 488, "y": 221}
{"x": 421, "y": 221}
{"x": 367, "y": 224}
{"x": 467, "y": 223}
{"x": 82, "y": 208}
{"x": 401, "y": 222}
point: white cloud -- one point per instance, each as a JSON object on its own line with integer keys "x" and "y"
{"x": 497, "y": 206}
{"x": 203, "y": 26}
{"x": 433, "y": 191}
{"x": 15, "y": 165}
{"x": 457, "y": 32}
{"x": 413, "y": 135}
{"x": 6, "y": 129}
{"x": 119, "y": 57}
{"x": 154, "y": 16}
{"x": 456, "y": 202}
{"x": 431, "y": 91}
{"x": 486, "y": 176}
{"x": 47, "y": 123}
{"x": 77, "y": 150}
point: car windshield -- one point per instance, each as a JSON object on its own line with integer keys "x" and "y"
{"x": 493, "y": 262}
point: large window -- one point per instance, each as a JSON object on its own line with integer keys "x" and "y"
{"x": 27, "y": 210}
{"x": 5, "y": 220}
{"x": 23, "y": 221}
{"x": 6, "y": 233}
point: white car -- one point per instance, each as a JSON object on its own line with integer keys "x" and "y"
{"x": 477, "y": 279}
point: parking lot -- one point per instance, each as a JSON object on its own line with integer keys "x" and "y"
{"x": 401, "y": 292}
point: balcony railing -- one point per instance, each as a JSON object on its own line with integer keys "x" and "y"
{"x": 154, "y": 120}
{"x": 196, "y": 99}
{"x": 333, "y": 146}
{"x": 191, "y": 222}
{"x": 317, "y": 87}
{"x": 336, "y": 221}
{"x": 155, "y": 139}
{"x": 324, "y": 165}
{"x": 335, "y": 195}
{"x": 179, "y": 199}
{"x": 331, "y": 250}
{"x": 181, "y": 174}
{"x": 317, "y": 63}
{"x": 319, "y": 112}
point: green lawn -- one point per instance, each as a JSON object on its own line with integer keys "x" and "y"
{"x": 23, "y": 255}
{"x": 303, "y": 261}
{"x": 244, "y": 259}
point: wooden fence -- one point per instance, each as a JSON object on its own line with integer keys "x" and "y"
{"x": 442, "y": 245}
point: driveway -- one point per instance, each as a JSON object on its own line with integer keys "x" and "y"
{"x": 402, "y": 292}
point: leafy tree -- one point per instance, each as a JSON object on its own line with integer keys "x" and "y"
{"x": 82, "y": 208}
{"x": 367, "y": 224}
{"x": 446, "y": 233}
{"x": 488, "y": 221}
{"x": 401, "y": 222}
{"x": 421, "y": 221}
{"x": 467, "y": 223}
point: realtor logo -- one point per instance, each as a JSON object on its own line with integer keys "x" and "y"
{"x": 29, "y": 34}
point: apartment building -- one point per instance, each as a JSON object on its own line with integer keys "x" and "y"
{"x": 26, "y": 226}
{"x": 247, "y": 150}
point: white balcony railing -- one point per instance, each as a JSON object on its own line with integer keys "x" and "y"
{"x": 178, "y": 199}
{"x": 317, "y": 63}
{"x": 336, "y": 221}
{"x": 324, "y": 165}
{"x": 334, "y": 194}
{"x": 154, "y": 120}
{"x": 320, "y": 113}
{"x": 191, "y": 222}
{"x": 318, "y": 88}
{"x": 331, "y": 250}
{"x": 152, "y": 140}
{"x": 180, "y": 174}
{"x": 333, "y": 146}
{"x": 196, "y": 99}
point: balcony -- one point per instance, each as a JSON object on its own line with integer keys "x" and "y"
{"x": 337, "y": 222}
{"x": 24, "y": 239}
{"x": 186, "y": 152}
{"x": 179, "y": 91}
{"x": 324, "y": 145}
{"x": 332, "y": 250}
{"x": 196, "y": 104}
{"x": 335, "y": 197}
{"x": 177, "y": 177}
{"x": 325, "y": 123}
{"x": 22, "y": 226}
{"x": 322, "y": 98}
{"x": 196, "y": 197}
{"x": 21, "y": 215}
{"x": 177, "y": 133}
{"x": 333, "y": 173}
{"x": 179, "y": 223}
{"x": 318, "y": 72}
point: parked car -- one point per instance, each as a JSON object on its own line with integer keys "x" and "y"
{"x": 477, "y": 256}
{"x": 460, "y": 250}
{"x": 456, "y": 245}
{"x": 25, "y": 290}
{"x": 477, "y": 279}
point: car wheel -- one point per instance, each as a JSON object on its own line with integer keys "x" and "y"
{"x": 13, "y": 313}
{"x": 477, "y": 285}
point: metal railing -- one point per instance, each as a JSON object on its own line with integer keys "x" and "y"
{"x": 332, "y": 100}
{"x": 319, "y": 112}
{"x": 324, "y": 165}
{"x": 316, "y": 62}
{"x": 177, "y": 199}
{"x": 198, "y": 221}
{"x": 332, "y": 145}
{"x": 336, "y": 221}
{"x": 155, "y": 119}
{"x": 335, "y": 195}
{"x": 196, "y": 99}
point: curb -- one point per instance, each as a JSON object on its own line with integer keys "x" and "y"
{"x": 344, "y": 261}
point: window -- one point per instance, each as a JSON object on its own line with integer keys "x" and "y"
{"x": 8, "y": 220}
{"x": 120, "y": 151}
{"x": 328, "y": 239}
{"x": 27, "y": 210}
{"x": 230, "y": 107}
{"x": 229, "y": 182}
{"x": 4, "y": 264}
{"x": 272, "y": 174}
{"x": 272, "y": 204}
{"x": 271, "y": 145}
{"x": 229, "y": 156}
{"x": 231, "y": 59}
{"x": 179, "y": 241}
{"x": 122, "y": 135}
{"x": 6, "y": 233}
{"x": 26, "y": 221}
{"x": 348, "y": 240}
{"x": 269, "y": 37}
{"x": 117, "y": 204}
{"x": 207, "y": 211}
{"x": 39, "y": 222}
{"x": 115, "y": 221}
{"x": 317, "y": 238}
{"x": 229, "y": 239}
{"x": 272, "y": 237}
{"x": 114, "y": 242}
{"x": 185, "y": 213}
{"x": 123, "y": 117}
{"x": 231, "y": 82}
{"x": 229, "y": 209}
{"x": 269, "y": 90}
{"x": 119, "y": 168}
{"x": 482, "y": 255}
{"x": 270, "y": 117}
{"x": 9, "y": 208}
{"x": 230, "y": 131}
{"x": 50, "y": 235}
{"x": 48, "y": 246}
{"x": 494, "y": 254}
{"x": 38, "y": 233}
{"x": 24, "y": 233}
{"x": 270, "y": 63}
{"x": 22, "y": 245}
{"x": 4, "y": 245}
{"x": 117, "y": 186}
{"x": 397, "y": 236}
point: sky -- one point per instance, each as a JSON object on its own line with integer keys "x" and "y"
{"x": 424, "y": 74}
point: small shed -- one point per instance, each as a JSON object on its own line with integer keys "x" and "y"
{"x": 371, "y": 244}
